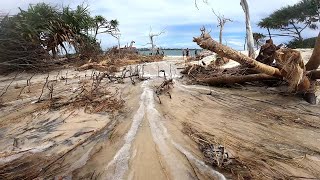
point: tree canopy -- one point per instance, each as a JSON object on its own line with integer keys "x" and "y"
{"x": 292, "y": 20}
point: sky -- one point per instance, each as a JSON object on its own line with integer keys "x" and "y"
{"x": 179, "y": 19}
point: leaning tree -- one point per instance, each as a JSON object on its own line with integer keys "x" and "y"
{"x": 102, "y": 25}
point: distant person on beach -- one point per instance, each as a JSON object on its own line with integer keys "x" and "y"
{"x": 196, "y": 52}
{"x": 183, "y": 53}
{"x": 158, "y": 51}
{"x": 162, "y": 53}
{"x": 187, "y": 53}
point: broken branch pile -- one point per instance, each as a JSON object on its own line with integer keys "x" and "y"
{"x": 288, "y": 66}
{"x": 114, "y": 59}
{"x": 93, "y": 97}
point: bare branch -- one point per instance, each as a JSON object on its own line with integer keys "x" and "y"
{"x": 151, "y": 37}
{"x": 196, "y": 3}
{"x": 6, "y": 89}
{"x": 221, "y": 22}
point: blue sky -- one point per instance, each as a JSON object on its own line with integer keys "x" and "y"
{"x": 180, "y": 19}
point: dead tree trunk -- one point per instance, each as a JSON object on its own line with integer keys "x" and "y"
{"x": 250, "y": 41}
{"x": 228, "y": 79}
{"x": 151, "y": 38}
{"x": 314, "y": 61}
{"x": 220, "y": 34}
{"x": 206, "y": 42}
{"x": 221, "y": 22}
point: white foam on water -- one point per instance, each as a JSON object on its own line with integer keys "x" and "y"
{"x": 121, "y": 159}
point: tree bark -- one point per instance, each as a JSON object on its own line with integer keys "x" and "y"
{"x": 314, "y": 74}
{"x": 297, "y": 31}
{"x": 250, "y": 41}
{"x": 269, "y": 33}
{"x": 152, "y": 45}
{"x": 206, "y": 42}
{"x": 314, "y": 61}
{"x": 230, "y": 79}
{"x": 220, "y": 35}
{"x": 96, "y": 32}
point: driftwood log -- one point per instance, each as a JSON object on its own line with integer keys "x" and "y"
{"x": 232, "y": 79}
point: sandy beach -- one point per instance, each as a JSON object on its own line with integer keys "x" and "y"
{"x": 265, "y": 134}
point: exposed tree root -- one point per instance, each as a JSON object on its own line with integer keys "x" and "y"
{"x": 164, "y": 88}
{"x": 216, "y": 155}
{"x": 289, "y": 66}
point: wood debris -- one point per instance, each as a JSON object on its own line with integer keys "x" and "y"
{"x": 272, "y": 64}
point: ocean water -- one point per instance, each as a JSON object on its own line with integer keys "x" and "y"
{"x": 169, "y": 52}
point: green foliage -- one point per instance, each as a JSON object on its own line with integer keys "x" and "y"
{"x": 308, "y": 12}
{"x": 79, "y": 19}
{"x": 105, "y": 26}
{"x": 306, "y": 43}
{"x": 18, "y": 50}
{"x": 38, "y": 33}
{"x": 292, "y": 20}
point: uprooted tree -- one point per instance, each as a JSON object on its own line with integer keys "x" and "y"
{"x": 289, "y": 66}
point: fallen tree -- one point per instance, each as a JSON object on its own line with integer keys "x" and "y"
{"x": 206, "y": 42}
{"x": 289, "y": 66}
{"x": 230, "y": 79}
